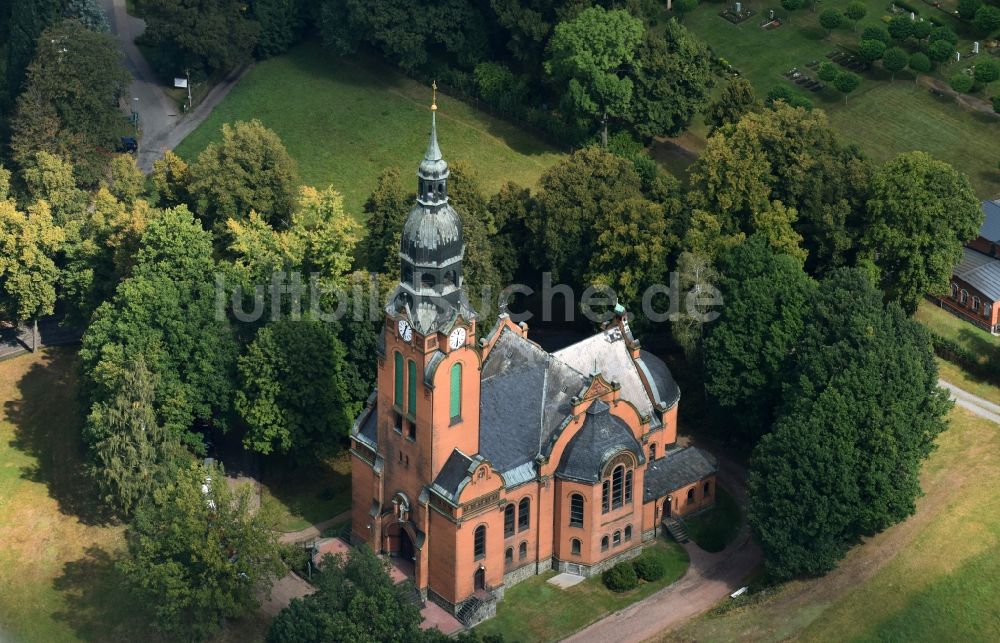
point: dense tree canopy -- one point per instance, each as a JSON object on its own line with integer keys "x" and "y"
{"x": 736, "y": 99}
{"x": 914, "y": 246}
{"x": 861, "y": 412}
{"x": 205, "y": 35}
{"x": 200, "y": 553}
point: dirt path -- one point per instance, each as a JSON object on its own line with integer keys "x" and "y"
{"x": 709, "y": 579}
{"x": 981, "y": 407}
{"x": 971, "y": 102}
{"x": 313, "y": 532}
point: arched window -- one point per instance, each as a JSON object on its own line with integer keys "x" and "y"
{"x": 604, "y": 543}
{"x": 652, "y": 452}
{"x": 975, "y": 303}
{"x": 628, "y": 487}
{"x": 690, "y": 497}
{"x": 707, "y": 489}
{"x": 954, "y": 291}
{"x": 456, "y": 391}
{"x": 398, "y": 373}
{"x": 524, "y": 514}
{"x": 508, "y": 520}
{"x": 522, "y": 551}
{"x": 618, "y": 487}
{"x": 628, "y": 533}
{"x": 617, "y": 538}
{"x": 987, "y": 309}
{"x": 479, "y": 542}
{"x": 411, "y": 381}
{"x": 427, "y": 280}
{"x": 606, "y": 496}
{"x": 576, "y": 510}
{"x": 508, "y": 556}
{"x": 963, "y": 297}
{"x": 574, "y": 546}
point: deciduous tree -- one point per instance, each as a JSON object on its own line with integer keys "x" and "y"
{"x": 736, "y": 99}
{"x": 208, "y": 35}
{"x": 895, "y": 60}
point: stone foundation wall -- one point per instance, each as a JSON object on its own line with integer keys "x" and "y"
{"x": 524, "y": 572}
{"x": 597, "y": 568}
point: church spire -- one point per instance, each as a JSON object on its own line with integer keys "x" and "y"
{"x": 433, "y": 151}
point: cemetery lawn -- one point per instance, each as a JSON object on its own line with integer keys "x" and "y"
{"x": 57, "y": 550}
{"x": 345, "y": 119}
{"x": 883, "y": 118}
{"x": 934, "y": 577}
{"x": 537, "y": 611}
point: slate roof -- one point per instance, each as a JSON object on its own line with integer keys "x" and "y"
{"x": 455, "y": 470}
{"x": 980, "y": 271}
{"x": 364, "y": 426}
{"x": 676, "y": 469}
{"x": 524, "y": 398}
{"x": 600, "y": 438}
{"x": 990, "y": 229}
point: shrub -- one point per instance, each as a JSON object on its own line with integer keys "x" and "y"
{"x": 922, "y": 29}
{"x": 967, "y": 8}
{"x": 944, "y": 33}
{"x": 987, "y": 19}
{"x": 876, "y": 33}
{"x": 831, "y": 19}
{"x": 900, "y": 27}
{"x": 649, "y": 568}
{"x": 828, "y": 71}
{"x": 987, "y": 71}
{"x": 620, "y": 578}
{"x": 920, "y": 63}
{"x": 871, "y": 50}
{"x": 961, "y": 82}
{"x": 856, "y": 10}
{"x": 940, "y": 51}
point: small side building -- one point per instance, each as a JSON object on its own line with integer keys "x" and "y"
{"x": 975, "y": 281}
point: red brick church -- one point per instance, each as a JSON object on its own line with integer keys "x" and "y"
{"x": 485, "y": 459}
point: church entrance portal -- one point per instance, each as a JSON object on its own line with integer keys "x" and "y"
{"x": 479, "y": 580}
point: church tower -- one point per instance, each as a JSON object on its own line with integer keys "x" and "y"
{"x": 428, "y": 380}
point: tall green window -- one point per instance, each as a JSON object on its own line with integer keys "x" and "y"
{"x": 411, "y": 389}
{"x": 398, "y": 399}
{"x": 456, "y": 391}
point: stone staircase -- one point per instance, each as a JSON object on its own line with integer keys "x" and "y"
{"x": 477, "y": 608}
{"x": 676, "y": 529}
{"x": 411, "y": 594}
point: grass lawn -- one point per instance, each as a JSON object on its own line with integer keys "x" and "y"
{"x": 57, "y": 552}
{"x": 344, "y": 120}
{"x": 934, "y": 577}
{"x": 308, "y": 495}
{"x": 717, "y": 527}
{"x": 535, "y": 610}
{"x": 977, "y": 340}
{"x": 883, "y": 118}
{"x": 956, "y": 375}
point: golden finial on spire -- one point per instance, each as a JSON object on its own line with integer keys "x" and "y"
{"x": 434, "y": 90}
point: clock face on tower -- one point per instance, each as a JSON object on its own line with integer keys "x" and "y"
{"x": 405, "y": 330}
{"x": 457, "y": 338}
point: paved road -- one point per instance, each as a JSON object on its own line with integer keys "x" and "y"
{"x": 162, "y": 123}
{"x": 15, "y": 342}
{"x": 979, "y": 406}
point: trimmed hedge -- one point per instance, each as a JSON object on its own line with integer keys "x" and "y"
{"x": 649, "y": 568}
{"x": 955, "y": 352}
{"x": 620, "y": 578}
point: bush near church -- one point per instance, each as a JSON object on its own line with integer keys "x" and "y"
{"x": 620, "y": 578}
{"x": 649, "y": 568}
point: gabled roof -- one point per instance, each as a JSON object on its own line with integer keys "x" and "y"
{"x": 676, "y": 469}
{"x": 990, "y": 229}
{"x": 980, "y": 271}
{"x": 455, "y": 470}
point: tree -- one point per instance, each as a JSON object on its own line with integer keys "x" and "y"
{"x": 132, "y": 452}
{"x": 72, "y": 92}
{"x": 776, "y": 225}
{"x": 987, "y": 71}
{"x": 51, "y": 179}
{"x": 279, "y": 22}
{"x": 385, "y": 213}
{"x": 919, "y": 64}
{"x": 527, "y": 24}
{"x": 789, "y": 155}
{"x": 29, "y": 242}
{"x": 894, "y": 60}
{"x": 200, "y": 553}
{"x": 961, "y": 82}
{"x": 944, "y": 33}
{"x": 695, "y": 274}
{"x": 355, "y": 600}
{"x": 967, "y": 8}
{"x": 876, "y": 33}
{"x": 855, "y": 11}
{"x": 987, "y": 19}
{"x": 792, "y": 5}
{"x": 573, "y": 195}
{"x": 630, "y": 253}
{"x": 748, "y": 348}
{"x": 736, "y": 99}
{"x": 828, "y": 71}
{"x": 790, "y": 97}
{"x": 591, "y": 56}
{"x": 871, "y": 50}
{"x": 672, "y": 81}
{"x": 166, "y": 312}
{"x": 861, "y": 412}
{"x": 89, "y": 14}
{"x": 830, "y": 20}
{"x": 292, "y": 394}
{"x": 940, "y": 51}
{"x": 846, "y": 82}
{"x": 915, "y": 247}
{"x": 124, "y": 179}
{"x": 171, "y": 179}
{"x": 684, "y": 7}
{"x": 922, "y": 29}
{"x": 28, "y": 19}
{"x": 206, "y": 35}
{"x": 248, "y": 170}
{"x": 900, "y": 27}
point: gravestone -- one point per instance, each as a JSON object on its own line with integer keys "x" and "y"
{"x": 958, "y": 56}
{"x": 975, "y": 47}
{"x": 738, "y": 8}
{"x": 913, "y": 17}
